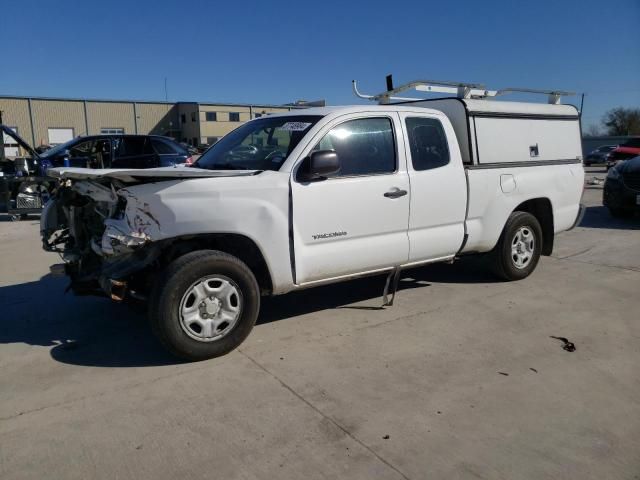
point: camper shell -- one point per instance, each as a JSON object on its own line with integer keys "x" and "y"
{"x": 498, "y": 133}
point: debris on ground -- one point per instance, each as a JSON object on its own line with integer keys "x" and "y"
{"x": 386, "y": 437}
{"x": 504, "y": 373}
{"x": 533, "y": 369}
{"x": 595, "y": 181}
{"x": 568, "y": 346}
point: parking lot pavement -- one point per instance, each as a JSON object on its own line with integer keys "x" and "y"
{"x": 460, "y": 379}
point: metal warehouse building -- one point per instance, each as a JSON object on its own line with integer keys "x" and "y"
{"x": 51, "y": 121}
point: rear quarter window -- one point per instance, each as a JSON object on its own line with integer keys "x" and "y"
{"x": 428, "y": 142}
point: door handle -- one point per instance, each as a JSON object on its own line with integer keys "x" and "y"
{"x": 395, "y": 193}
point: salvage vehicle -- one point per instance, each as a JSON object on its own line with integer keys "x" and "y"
{"x": 306, "y": 198}
{"x": 621, "y": 193}
{"x": 24, "y": 189}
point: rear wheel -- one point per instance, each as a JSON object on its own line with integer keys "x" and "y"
{"x": 205, "y": 305}
{"x": 517, "y": 253}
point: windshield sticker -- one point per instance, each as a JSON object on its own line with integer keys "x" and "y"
{"x": 294, "y": 126}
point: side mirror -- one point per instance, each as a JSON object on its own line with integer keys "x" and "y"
{"x": 320, "y": 164}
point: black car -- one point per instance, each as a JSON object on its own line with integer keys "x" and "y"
{"x": 621, "y": 192}
{"x": 599, "y": 155}
{"x": 116, "y": 151}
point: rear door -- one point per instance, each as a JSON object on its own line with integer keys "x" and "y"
{"x": 438, "y": 187}
{"x": 356, "y": 220}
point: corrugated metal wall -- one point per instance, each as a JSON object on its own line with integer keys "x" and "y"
{"x": 57, "y": 114}
{"x": 110, "y": 115}
{"x": 15, "y": 113}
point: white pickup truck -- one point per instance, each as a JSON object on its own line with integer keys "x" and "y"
{"x": 316, "y": 196}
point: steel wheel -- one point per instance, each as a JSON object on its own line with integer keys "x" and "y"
{"x": 210, "y": 308}
{"x": 522, "y": 247}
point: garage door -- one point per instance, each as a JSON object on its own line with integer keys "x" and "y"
{"x": 60, "y": 135}
{"x": 10, "y": 145}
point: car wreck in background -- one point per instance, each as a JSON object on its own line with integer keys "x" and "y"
{"x": 27, "y": 187}
{"x": 24, "y": 187}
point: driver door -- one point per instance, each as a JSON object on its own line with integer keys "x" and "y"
{"x": 354, "y": 221}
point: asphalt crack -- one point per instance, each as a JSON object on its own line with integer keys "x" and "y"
{"x": 325, "y": 416}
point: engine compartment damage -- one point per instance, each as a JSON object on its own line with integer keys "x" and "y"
{"x": 104, "y": 233}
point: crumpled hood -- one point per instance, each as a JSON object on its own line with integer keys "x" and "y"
{"x": 149, "y": 174}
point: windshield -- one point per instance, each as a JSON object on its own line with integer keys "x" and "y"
{"x": 262, "y": 144}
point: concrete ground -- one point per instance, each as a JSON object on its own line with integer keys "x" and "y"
{"x": 460, "y": 379}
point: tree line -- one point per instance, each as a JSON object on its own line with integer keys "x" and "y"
{"x": 617, "y": 122}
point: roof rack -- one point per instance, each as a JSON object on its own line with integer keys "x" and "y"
{"x": 460, "y": 89}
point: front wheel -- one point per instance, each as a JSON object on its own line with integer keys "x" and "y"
{"x": 205, "y": 305}
{"x": 517, "y": 253}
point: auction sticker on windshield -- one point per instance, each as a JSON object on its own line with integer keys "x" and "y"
{"x": 294, "y": 126}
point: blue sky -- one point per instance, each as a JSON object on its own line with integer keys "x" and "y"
{"x": 279, "y": 51}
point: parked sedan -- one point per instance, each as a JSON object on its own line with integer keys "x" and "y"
{"x": 117, "y": 151}
{"x": 621, "y": 192}
{"x": 599, "y": 155}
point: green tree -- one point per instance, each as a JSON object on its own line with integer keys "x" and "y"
{"x": 622, "y": 121}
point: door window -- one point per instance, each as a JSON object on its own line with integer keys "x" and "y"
{"x": 82, "y": 149}
{"x": 134, "y": 146}
{"x": 364, "y": 146}
{"x": 428, "y": 143}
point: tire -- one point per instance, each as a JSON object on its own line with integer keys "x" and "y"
{"x": 619, "y": 212}
{"x": 186, "y": 285}
{"x": 509, "y": 265}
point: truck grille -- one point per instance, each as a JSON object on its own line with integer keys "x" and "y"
{"x": 632, "y": 180}
{"x": 28, "y": 201}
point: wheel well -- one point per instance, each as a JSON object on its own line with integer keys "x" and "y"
{"x": 543, "y": 211}
{"x": 234, "y": 244}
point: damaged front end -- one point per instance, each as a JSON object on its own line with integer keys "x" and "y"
{"x": 105, "y": 235}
